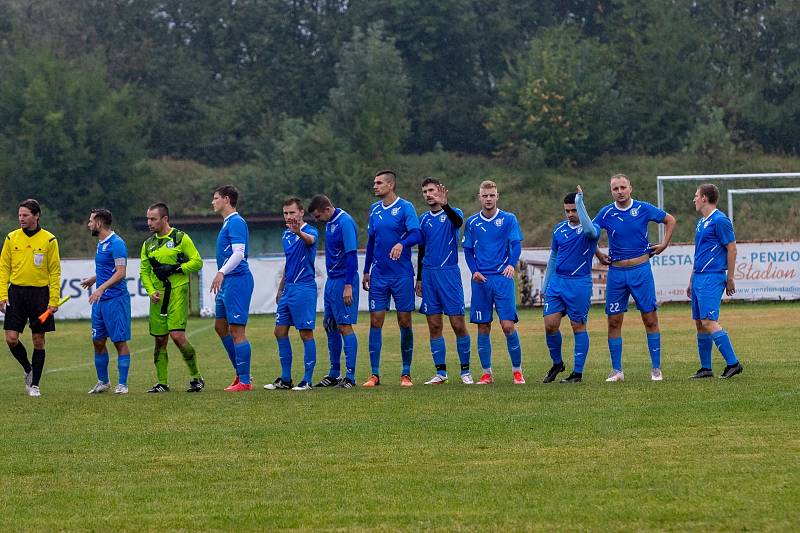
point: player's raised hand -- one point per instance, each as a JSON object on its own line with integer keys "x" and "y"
{"x": 294, "y": 225}
{"x": 440, "y": 194}
{"x": 730, "y": 287}
{"x": 395, "y": 252}
{"x": 578, "y": 189}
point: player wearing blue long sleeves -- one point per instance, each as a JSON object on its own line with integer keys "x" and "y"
{"x": 492, "y": 245}
{"x": 297, "y": 297}
{"x": 392, "y": 230}
{"x": 341, "y": 301}
{"x": 714, "y": 255}
{"x": 629, "y": 274}
{"x": 567, "y": 285}
{"x": 439, "y": 279}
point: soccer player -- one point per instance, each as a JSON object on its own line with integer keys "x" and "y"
{"x": 568, "y": 285}
{"x": 297, "y": 296}
{"x": 629, "y": 274}
{"x": 168, "y": 257}
{"x": 233, "y": 285}
{"x": 392, "y": 229}
{"x": 30, "y": 284}
{"x": 714, "y": 254}
{"x": 341, "y": 301}
{"x": 439, "y": 279}
{"x": 492, "y": 245}
{"x": 111, "y": 302}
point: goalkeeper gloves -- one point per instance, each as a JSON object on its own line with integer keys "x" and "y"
{"x": 163, "y": 272}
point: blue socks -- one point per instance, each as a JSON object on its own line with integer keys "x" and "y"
{"x": 485, "y": 351}
{"x": 101, "y": 365}
{"x": 615, "y": 349}
{"x": 654, "y": 345}
{"x": 350, "y": 350}
{"x": 375, "y": 345}
{"x": 123, "y": 364}
{"x": 514, "y": 350}
{"x": 725, "y": 347}
{"x": 463, "y": 348}
{"x": 242, "y": 351}
{"x": 581, "y": 350}
{"x": 407, "y": 348}
{"x": 704, "y": 346}
{"x": 309, "y": 359}
{"x": 554, "y": 345}
{"x": 439, "y": 353}
{"x": 227, "y": 342}
{"x": 285, "y": 357}
{"x": 335, "y": 352}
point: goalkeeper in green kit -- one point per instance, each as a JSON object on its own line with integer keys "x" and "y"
{"x": 168, "y": 257}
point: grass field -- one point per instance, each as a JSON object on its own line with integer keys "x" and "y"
{"x": 675, "y": 455}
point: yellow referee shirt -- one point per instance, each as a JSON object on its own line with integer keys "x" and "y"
{"x": 31, "y": 262}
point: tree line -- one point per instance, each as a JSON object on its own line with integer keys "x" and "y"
{"x": 300, "y": 94}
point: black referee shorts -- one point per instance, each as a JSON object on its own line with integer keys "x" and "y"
{"x": 25, "y": 304}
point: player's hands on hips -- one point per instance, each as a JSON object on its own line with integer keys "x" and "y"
{"x": 365, "y": 282}
{"x": 730, "y": 287}
{"x": 3, "y": 304}
{"x": 155, "y": 297}
{"x": 418, "y": 289}
{"x": 394, "y": 253}
{"x": 347, "y": 294}
{"x": 478, "y": 277}
{"x": 509, "y": 271}
{"x": 604, "y": 259}
{"x": 96, "y": 295}
{"x": 656, "y": 249}
{"x": 216, "y": 283}
{"x": 689, "y": 290}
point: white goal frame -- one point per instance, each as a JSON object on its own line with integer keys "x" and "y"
{"x": 661, "y": 180}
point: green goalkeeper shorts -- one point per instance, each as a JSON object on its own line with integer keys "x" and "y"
{"x": 177, "y": 312}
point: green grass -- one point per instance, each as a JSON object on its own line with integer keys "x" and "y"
{"x": 676, "y": 455}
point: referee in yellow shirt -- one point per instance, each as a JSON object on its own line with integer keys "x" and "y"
{"x": 30, "y": 283}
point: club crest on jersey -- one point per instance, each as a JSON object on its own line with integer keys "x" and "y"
{"x": 579, "y": 230}
{"x": 395, "y": 210}
{"x": 442, "y": 218}
{"x": 333, "y": 227}
{"x": 498, "y": 222}
{"x": 170, "y": 244}
{"x": 635, "y": 212}
{"x": 105, "y": 246}
{"x": 705, "y": 224}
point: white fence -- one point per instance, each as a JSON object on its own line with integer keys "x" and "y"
{"x": 764, "y": 271}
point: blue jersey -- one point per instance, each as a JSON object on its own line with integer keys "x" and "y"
{"x": 627, "y": 228}
{"x": 340, "y": 238}
{"x": 111, "y": 252}
{"x": 299, "y": 255}
{"x": 389, "y": 224}
{"x": 491, "y": 239}
{"x": 574, "y": 249}
{"x": 440, "y": 239}
{"x": 711, "y": 237}
{"x": 234, "y": 231}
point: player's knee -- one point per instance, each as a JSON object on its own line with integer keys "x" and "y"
{"x": 12, "y": 338}
{"x": 404, "y": 320}
{"x": 484, "y": 329}
{"x": 650, "y": 320}
{"x": 508, "y": 329}
{"x": 307, "y": 334}
{"x": 178, "y": 337}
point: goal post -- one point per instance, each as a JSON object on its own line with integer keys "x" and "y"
{"x": 662, "y": 180}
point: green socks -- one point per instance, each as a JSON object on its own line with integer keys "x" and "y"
{"x": 190, "y": 357}
{"x": 161, "y": 360}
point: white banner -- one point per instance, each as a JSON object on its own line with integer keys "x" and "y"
{"x": 764, "y": 271}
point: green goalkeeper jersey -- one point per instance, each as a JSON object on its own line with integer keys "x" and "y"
{"x": 174, "y": 247}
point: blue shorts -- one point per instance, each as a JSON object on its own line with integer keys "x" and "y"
{"x": 233, "y": 299}
{"x": 335, "y": 309}
{"x": 381, "y": 289}
{"x": 498, "y": 291}
{"x": 297, "y": 306}
{"x": 707, "y": 290}
{"x": 569, "y": 296}
{"x": 112, "y": 319}
{"x": 636, "y": 281}
{"x": 442, "y": 292}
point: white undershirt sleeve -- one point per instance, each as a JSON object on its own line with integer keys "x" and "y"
{"x": 234, "y": 260}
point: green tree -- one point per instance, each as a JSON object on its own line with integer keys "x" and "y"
{"x": 369, "y": 106}
{"x": 66, "y": 137}
{"x": 559, "y": 97}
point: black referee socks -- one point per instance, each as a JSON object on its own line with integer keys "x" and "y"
{"x": 21, "y": 354}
